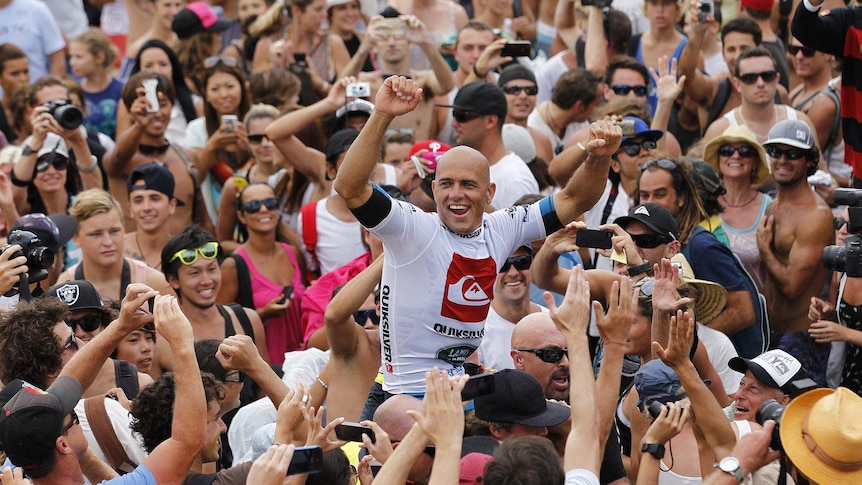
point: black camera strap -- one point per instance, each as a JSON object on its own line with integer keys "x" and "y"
{"x": 125, "y": 277}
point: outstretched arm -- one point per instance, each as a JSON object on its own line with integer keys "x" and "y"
{"x": 341, "y": 329}
{"x": 397, "y": 96}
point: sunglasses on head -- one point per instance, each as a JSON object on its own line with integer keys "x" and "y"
{"x": 258, "y": 138}
{"x": 633, "y": 149}
{"x": 150, "y": 150}
{"x": 463, "y": 115}
{"x": 59, "y": 163}
{"x": 190, "y": 256}
{"x": 664, "y": 163}
{"x": 234, "y": 376}
{"x": 646, "y": 286}
{"x": 226, "y": 60}
{"x": 362, "y": 316}
{"x": 521, "y": 263}
{"x": 751, "y": 77}
{"x": 796, "y": 49}
{"x": 649, "y": 241}
{"x": 791, "y": 153}
{"x": 551, "y": 355}
{"x": 744, "y": 151}
{"x": 625, "y": 89}
{"x": 88, "y": 323}
{"x": 253, "y": 206}
{"x": 516, "y": 90}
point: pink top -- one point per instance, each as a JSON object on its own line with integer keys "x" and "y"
{"x": 283, "y": 333}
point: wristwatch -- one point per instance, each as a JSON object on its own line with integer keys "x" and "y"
{"x": 654, "y": 449}
{"x": 94, "y": 164}
{"x": 640, "y": 269}
{"x": 730, "y": 464}
{"x": 28, "y": 151}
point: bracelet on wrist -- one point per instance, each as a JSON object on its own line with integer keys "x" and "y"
{"x": 324, "y": 385}
{"x": 94, "y": 164}
{"x": 476, "y": 72}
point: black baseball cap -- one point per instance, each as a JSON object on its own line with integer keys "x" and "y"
{"x": 54, "y": 230}
{"x": 480, "y": 97}
{"x": 154, "y": 176}
{"x": 339, "y": 143}
{"x": 198, "y": 18}
{"x": 516, "y": 71}
{"x": 32, "y": 420}
{"x": 518, "y": 398}
{"x": 654, "y": 217}
{"x": 78, "y": 294}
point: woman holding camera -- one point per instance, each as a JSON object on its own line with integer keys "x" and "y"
{"x": 275, "y": 276}
{"x": 219, "y": 138}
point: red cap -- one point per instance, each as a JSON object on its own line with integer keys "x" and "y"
{"x": 433, "y": 146}
{"x": 473, "y": 468}
{"x": 759, "y": 5}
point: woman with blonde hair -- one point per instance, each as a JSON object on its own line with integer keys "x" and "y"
{"x": 91, "y": 57}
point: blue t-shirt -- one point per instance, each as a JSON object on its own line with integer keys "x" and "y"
{"x": 102, "y": 109}
{"x": 140, "y": 476}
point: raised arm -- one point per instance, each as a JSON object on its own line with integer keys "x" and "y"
{"x": 170, "y": 461}
{"x": 596, "y": 48}
{"x": 443, "y": 79}
{"x": 588, "y": 182}
{"x": 699, "y": 87}
{"x": 398, "y": 95}
{"x": 668, "y": 86}
{"x": 342, "y": 332}
{"x": 239, "y": 352}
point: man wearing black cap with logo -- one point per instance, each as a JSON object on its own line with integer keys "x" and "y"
{"x": 39, "y": 431}
{"x": 151, "y": 205}
{"x": 519, "y": 85}
{"x": 478, "y": 115}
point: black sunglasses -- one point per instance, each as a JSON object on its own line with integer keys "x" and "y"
{"x": 791, "y": 153}
{"x": 463, "y": 115}
{"x": 59, "y": 163}
{"x": 150, "y": 150}
{"x": 72, "y": 342}
{"x": 362, "y": 316}
{"x": 649, "y": 241}
{"x": 516, "y": 90}
{"x": 751, "y": 77}
{"x": 257, "y": 138}
{"x": 744, "y": 151}
{"x": 664, "y": 163}
{"x": 88, "y": 323}
{"x": 838, "y": 222}
{"x": 253, "y": 206}
{"x": 806, "y": 51}
{"x": 551, "y": 355}
{"x": 634, "y": 148}
{"x": 521, "y": 263}
{"x": 73, "y": 422}
{"x": 624, "y": 89}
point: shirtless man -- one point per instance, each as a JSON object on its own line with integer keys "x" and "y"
{"x": 791, "y": 240}
{"x": 756, "y": 80}
{"x": 101, "y": 239}
{"x": 546, "y": 29}
{"x": 151, "y": 204}
{"x": 391, "y": 38}
{"x": 519, "y": 85}
{"x": 143, "y": 142}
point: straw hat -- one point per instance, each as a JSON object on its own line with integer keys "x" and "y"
{"x": 737, "y": 134}
{"x": 821, "y": 432}
{"x": 711, "y": 297}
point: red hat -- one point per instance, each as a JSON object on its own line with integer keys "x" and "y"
{"x": 759, "y": 5}
{"x": 473, "y": 468}
{"x": 432, "y": 146}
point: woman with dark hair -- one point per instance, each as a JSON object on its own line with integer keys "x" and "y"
{"x": 155, "y": 56}
{"x": 275, "y": 276}
{"x": 14, "y": 73}
{"x": 220, "y": 138}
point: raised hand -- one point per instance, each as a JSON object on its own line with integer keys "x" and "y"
{"x": 563, "y": 241}
{"x": 679, "y": 342}
{"x": 133, "y": 315}
{"x": 605, "y": 138}
{"x": 397, "y": 96}
{"x": 271, "y": 467}
{"x": 171, "y": 322}
{"x": 573, "y": 316}
{"x": 317, "y": 434}
{"x": 622, "y": 242}
{"x": 664, "y": 295}
{"x": 668, "y": 424}
{"x": 668, "y": 86}
{"x": 442, "y": 414}
{"x": 238, "y": 352}
{"x": 11, "y": 269}
{"x": 381, "y": 449}
{"x": 416, "y": 33}
{"x": 614, "y": 326}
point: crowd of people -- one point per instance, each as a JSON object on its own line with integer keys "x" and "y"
{"x": 429, "y": 241}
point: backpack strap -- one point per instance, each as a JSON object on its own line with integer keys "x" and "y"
{"x": 103, "y": 431}
{"x": 309, "y": 236}
{"x": 722, "y": 94}
{"x": 244, "y": 279}
{"x": 244, "y": 321}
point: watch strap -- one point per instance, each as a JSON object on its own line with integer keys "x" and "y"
{"x": 654, "y": 449}
{"x": 735, "y": 472}
{"x": 639, "y": 269}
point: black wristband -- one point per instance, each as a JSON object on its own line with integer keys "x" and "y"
{"x": 477, "y": 73}
{"x": 654, "y": 449}
{"x": 640, "y": 269}
{"x": 16, "y": 181}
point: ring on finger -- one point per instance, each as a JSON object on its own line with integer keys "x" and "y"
{"x": 305, "y": 399}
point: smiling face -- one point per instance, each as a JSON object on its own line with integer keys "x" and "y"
{"x": 159, "y": 120}
{"x": 64, "y": 336}
{"x": 156, "y": 60}
{"x": 264, "y": 220}
{"x": 462, "y": 189}
{"x": 809, "y": 67}
{"x": 520, "y": 104}
{"x": 224, "y": 93}
{"x": 513, "y": 285}
{"x": 263, "y": 150}
{"x": 789, "y": 171}
{"x": 138, "y": 348}
{"x": 166, "y": 10}
{"x": 737, "y": 166}
{"x": 101, "y": 238}
{"x": 751, "y": 394}
{"x": 345, "y": 18}
{"x": 733, "y": 45}
{"x": 656, "y": 185}
{"x": 215, "y": 427}
{"x": 198, "y": 284}
{"x": 150, "y": 209}
{"x": 51, "y": 180}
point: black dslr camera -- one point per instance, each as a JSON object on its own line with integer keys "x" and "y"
{"x": 848, "y": 259}
{"x": 770, "y": 409}
{"x": 39, "y": 257}
{"x": 67, "y": 114}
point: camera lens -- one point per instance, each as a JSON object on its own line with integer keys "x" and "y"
{"x": 835, "y": 257}
{"x": 40, "y": 258}
{"x": 770, "y": 409}
{"x": 69, "y": 116}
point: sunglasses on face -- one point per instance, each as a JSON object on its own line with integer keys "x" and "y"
{"x": 234, "y": 376}
{"x": 751, "y": 77}
{"x": 226, "y": 60}
{"x": 634, "y": 149}
{"x": 521, "y": 263}
{"x": 744, "y": 151}
{"x": 73, "y": 422}
{"x": 150, "y": 150}
{"x": 362, "y": 316}
{"x": 838, "y": 223}
{"x": 253, "y": 206}
{"x": 59, "y": 163}
{"x": 463, "y": 116}
{"x": 516, "y": 90}
{"x": 257, "y": 138}
{"x": 791, "y": 153}
{"x": 796, "y": 49}
{"x": 190, "y": 256}
{"x": 664, "y": 163}
{"x": 551, "y": 355}
{"x": 649, "y": 241}
{"x": 88, "y": 323}
{"x": 72, "y": 342}
{"x": 625, "y": 89}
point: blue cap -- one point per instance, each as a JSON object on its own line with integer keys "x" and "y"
{"x": 642, "y": 130}
{"x": 655, "y": 381}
